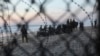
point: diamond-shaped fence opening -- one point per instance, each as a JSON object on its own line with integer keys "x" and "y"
{"x": 48, "y": 27}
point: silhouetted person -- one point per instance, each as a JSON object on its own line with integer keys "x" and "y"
{"x": 68, "y": 22}
{"x": 81, "y": 26}
{"x": 45, "y": 30}
{"x": 24, "y": 28}
{"x": 40, "y": 29}
{"x": 64, "y": 28}
{"x": 24, "y": 33}
{"x": 59, "y": 29}
{"x": 53, "y": 29}
{"x": 69, "y": 26}
{"x": 95, "y": 23}
{"x": 50, "y": 30}
{"x": 40, "y": 32}
{"x": 74, "y": 24}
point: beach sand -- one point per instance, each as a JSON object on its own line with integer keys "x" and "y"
{"x": 58, "y": 45}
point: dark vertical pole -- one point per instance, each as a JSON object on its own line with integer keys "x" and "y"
{"x": 98, "y": 9}
{"x": 98, "y": 29}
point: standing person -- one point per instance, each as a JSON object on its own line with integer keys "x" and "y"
{"x": 50, "y": 30}
{"x": 95, "y": 23}
{"x": 45, "y": 30}
{"x": 24, "y": 31}
{"x": 68, "y": 22}
{"x": 81, "y": 26}
{"x": 58, "y": 29}
{"x": 40, "y": 32}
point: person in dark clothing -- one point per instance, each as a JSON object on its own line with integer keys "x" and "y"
{"x": 58, "y": 29}
{"x": 69, "y": 26}
{"x": 24, "y": 33}
{"x": 40, "y": 32}
{"x": 50, "y": 30}
{"x": 81, "y": 26}
{"x": 40, "y": 29}
{"x": 24, "y": 28}
{"x": 74, "y": 24}
{"x": 64, "y": 28}
{"x": 53, "y": 30}
{"x": 68, "y": 22}
{"x": 45, "y": 30}
{"x": 95, "y": 23}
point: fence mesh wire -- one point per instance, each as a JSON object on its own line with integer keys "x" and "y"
{"x": 62, "y": 40}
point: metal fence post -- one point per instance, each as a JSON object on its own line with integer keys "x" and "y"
{"x": 98, "y": 29}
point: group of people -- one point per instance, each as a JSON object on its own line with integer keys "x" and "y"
{"x": 68, "y": 27}
{"x": 46, "y": 30}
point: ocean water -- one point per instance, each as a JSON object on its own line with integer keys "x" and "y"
{"x": 35, "y": 28}
{"x": 31, "y": 28}
{"x": 13, "y": 29}
{"x": 5, "y": 35}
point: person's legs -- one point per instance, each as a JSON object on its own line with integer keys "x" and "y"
{"x": 22, "y": 37}
{"x": 26, "y": 37}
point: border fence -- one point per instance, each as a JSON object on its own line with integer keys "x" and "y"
{"x": 71, "y": 29}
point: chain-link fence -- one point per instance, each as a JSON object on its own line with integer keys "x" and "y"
{"x": 48, "y": 27}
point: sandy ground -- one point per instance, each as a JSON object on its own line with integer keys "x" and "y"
{"x": 78, "y": 43}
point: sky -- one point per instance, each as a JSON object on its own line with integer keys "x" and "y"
{"x": 54, "y": 8}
